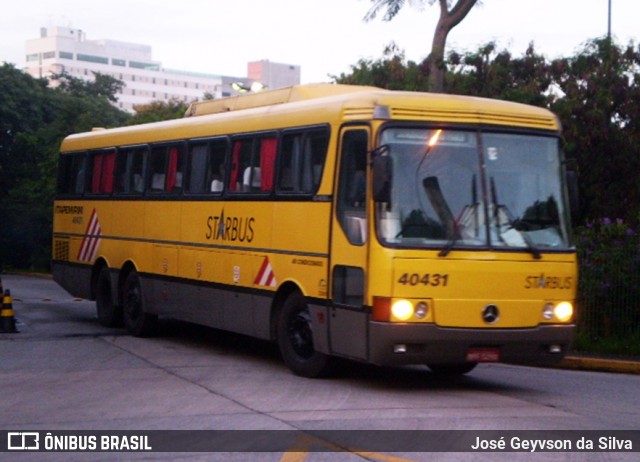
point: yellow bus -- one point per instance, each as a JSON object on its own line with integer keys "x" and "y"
{"x": 338, "y": 221}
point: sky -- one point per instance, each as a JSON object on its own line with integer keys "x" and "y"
{"x": 324, "y": 37}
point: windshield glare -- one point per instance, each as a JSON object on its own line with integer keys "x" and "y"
{"x": 440, "y": 199}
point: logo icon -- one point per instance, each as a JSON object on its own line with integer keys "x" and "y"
{"x": 23, "y": 441}
{"x": 490, "y": 314}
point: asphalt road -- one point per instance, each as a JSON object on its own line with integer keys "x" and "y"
{"x": 64, "y": 371}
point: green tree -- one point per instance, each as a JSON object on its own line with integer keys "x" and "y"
{"x": 34, "y": 119}
{"x": 392, "y": 71}
{"x": 102, "y": 85}
{"x": 157, "y": 111}
{"x": 490, "y": 73}
{"x": 449, "y": 18}
{"x": 598, "y": 106}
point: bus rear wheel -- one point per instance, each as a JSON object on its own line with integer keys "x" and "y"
{"x": 295, "y": 339}
{"x": 137, "y": 321}
{"x": 451, "y": 369}
{"x": 109, "y": 314}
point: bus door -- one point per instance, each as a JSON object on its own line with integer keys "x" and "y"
{"x": 348, "y": 317}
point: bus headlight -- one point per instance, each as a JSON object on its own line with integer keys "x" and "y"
{"x": 402, "y": 310}
{"x": 563, "y": 311}
{"x": 422, "y": 310}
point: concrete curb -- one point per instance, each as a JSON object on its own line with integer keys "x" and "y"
{"x": 600, "y": 364}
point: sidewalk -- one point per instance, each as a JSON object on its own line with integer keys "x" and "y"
{"x": 579, "y": 361}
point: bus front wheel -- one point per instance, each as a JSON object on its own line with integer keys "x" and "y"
{"x": 295, "y": 339}
{"x": 136, "y": 320}
{"x": 109, "y": 314}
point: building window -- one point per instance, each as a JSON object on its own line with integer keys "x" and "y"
{"x": 66, "y": 55}
{"x": 146, "y": 66}
{"x": 92, "y": 59}
{"x": 118, "y": 62}
{"x": 49, "y": 55}
{"x": 33, "y": 57}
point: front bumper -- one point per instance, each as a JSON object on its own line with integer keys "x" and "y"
{"x": 430, "y": 344}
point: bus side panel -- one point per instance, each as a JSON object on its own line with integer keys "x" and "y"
{"x": 77, "y": 242}
{"x": 75, "y": 279}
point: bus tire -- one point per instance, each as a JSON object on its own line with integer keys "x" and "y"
{"x": 138, "y": 322}
{"x": 109, "y": 314}
{"x": 295, "y": 339}
{"x": 451, "y": 369}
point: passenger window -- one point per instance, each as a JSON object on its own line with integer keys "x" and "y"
{"x": 301, "y": 161}
{"x": 352, "y": 187}
{"x": 129, "y": 170}
{"x": 252, "y": 166}
{"x": 206, "y": 166}
{"x": 71, "y": 175}
{"x": 101, "y": 170}
{"x": 165, "y": 169}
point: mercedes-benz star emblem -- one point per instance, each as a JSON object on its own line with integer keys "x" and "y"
{"x": 490, "y": 314}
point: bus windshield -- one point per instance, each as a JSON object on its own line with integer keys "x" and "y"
{"x": 473, "y": 189}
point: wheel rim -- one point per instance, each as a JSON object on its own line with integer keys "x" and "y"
{"x": 300, "y": 336}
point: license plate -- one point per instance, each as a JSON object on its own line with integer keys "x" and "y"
{"x": 483, "y": 355}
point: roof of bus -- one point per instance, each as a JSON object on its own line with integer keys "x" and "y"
{"x": 316, "y": 104}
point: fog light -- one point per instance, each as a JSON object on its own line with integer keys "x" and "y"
{"x": 402, "y": 310}
{"x": 563, "y": 311}
{"x": 400, "y": 348}
{"x": 555, "y": 349}
{"x": 422, "y": 309}
{"x": 547, "y": 312}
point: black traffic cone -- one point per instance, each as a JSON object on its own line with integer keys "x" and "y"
{"x": 7, "y": 316}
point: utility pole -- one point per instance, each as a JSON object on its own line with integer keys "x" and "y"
{"x": 609, "y": 28}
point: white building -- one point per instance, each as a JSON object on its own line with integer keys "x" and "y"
{"x": 62, "y": 49}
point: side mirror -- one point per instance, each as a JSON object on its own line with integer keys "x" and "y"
{"x": 382, "y": 178}
{"x": 574, "y": 194}
{"x": 571, "y": 175}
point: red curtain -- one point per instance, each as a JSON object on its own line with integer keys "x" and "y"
{"x": 267, "y": 162}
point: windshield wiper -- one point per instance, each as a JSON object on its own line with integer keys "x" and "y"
{"x": 512, "y": 222}
{"x": 456, "y": 235}
{"x": 434, "y": 193}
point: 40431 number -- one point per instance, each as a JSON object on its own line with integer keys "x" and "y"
{"x": 433, "y": 280}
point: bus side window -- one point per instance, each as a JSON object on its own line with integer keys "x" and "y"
{"x": 166, "y": 169}
{"x": 352, "y": 187}
{"x": 102, "y": 169}
{"x": 205, "y": 166}
{"x": 197, "y": 167}
{"x": 301, "y": 161}
{"x": 175, "y": 164}
{"x": 215, "y": 168}
{"x": 129, "y": 171}
{"x": 71, "y": 174}
{"x": 136, "y": 175}
{"x": 252, "y": 165}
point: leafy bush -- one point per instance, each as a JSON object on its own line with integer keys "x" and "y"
{"x": 609, "y": 293}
